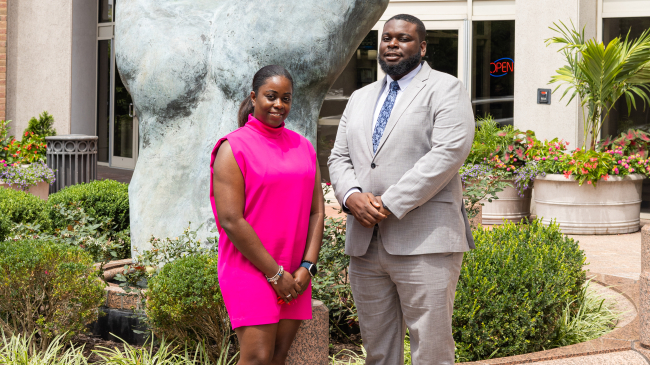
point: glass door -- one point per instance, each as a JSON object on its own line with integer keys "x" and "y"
{"x": 124, "y": 127}
{"x": 117, "y": 125}
{"x": 447, "y": 47}
{"x": 493, "y": 68}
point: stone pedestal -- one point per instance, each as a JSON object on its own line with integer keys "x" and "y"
{"x": 311, "y": 346}
{"x": 644, "y": 297}
{"x": 644, "y": 310}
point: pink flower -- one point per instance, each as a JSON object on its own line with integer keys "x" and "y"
{"x": 631, "y": 170}
{"x": 555, "y": 158}
{"x": 543, "y": 158}
{"x": 328, "y": 183}
{"x": 605, "y": 177}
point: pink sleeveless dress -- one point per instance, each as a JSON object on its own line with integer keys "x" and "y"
{"x": 279, "y": 169}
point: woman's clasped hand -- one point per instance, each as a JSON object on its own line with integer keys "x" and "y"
{"x": 290, "y": 286}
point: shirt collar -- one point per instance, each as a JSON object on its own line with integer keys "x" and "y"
{"x": 406, "y": 80}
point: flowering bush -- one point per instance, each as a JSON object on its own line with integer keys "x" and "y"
{"x": 502, "y": 150}
{"x": 590, "y": 166}
{"x": 32, "y": 148}
{"x": 24, "y": 177}
{"x": 632, "y": 142}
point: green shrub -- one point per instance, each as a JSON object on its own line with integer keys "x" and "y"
{"x": 48, "y": 287}
{"x": 100, "y": 199}
{"x": 21, "y": 207}
{"x": 513, "y": 289}
{"x": 5, "y": 227}
{"x": 332, "y": 285}
{"x": 185, "y": 303}
{"x": 42, "y": 126}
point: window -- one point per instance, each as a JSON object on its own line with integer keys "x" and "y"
{"x": 493, "y": 66}
{"x": 442, "y": 51}
{"x": 619, "y": 120}
{"x": 106, "y": 11}
{"x": 359, "y": 72}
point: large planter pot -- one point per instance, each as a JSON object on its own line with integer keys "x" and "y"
{"x": 510, "y": 206}
{"x": 41, "y": 189}
{"x": 611, "y": 207}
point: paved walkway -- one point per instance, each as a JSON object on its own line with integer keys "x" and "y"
{"x": 618, "y": 255}
{"x": 111, "y": 173}
{"x": 614, "y": 358}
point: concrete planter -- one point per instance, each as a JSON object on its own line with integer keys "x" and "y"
{"x": 41, "y": 189}
{"x": 510, "y": 206}
{"x": 611, "y": 207}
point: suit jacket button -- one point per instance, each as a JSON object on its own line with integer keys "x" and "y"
{"x": 372, "y": 165}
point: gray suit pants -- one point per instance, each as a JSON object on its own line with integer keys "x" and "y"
{"x": 393, "y": 292}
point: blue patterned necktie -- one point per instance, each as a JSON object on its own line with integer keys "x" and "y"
{"x": 384, "y": 114}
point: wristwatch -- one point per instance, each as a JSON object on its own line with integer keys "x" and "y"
{"x": 385, "y": 207}
{"x": 310, "y": 266}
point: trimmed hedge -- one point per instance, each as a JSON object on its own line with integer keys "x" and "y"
{"x": 513, "y": 288}
{"x": 49, "y": 287}
{"x": 100, "y": 199}
{"x": 21, "y": 207}
{"x": 185, "y": 303}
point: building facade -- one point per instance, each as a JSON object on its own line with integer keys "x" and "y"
{"x": 60, "y": 56}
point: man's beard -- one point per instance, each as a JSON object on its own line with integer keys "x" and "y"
{"x": 402, "y": 67}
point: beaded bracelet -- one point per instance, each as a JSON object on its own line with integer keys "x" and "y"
{"x": 276, "y": 277}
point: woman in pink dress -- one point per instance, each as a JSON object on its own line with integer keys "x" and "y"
{"x": 269, "y": 210}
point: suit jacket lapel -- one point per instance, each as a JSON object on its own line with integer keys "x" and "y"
{"x": 371, "y": 104}
{"x": 404, "y": 101}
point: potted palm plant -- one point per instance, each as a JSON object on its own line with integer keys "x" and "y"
{"x": 598, "y": 76}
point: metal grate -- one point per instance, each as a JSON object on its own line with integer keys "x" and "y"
{"x": 74, "y": 159}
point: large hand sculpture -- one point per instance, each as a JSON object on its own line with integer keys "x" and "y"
{"x": 189, "y": 63}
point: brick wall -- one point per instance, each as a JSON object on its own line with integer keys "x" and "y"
{"x": 3, "y": 58}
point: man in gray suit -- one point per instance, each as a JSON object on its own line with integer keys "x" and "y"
{"x": 394, "y": 168}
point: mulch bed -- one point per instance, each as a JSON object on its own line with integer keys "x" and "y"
{"x": 340, "y": 343}
{"x": 91, "y": 343}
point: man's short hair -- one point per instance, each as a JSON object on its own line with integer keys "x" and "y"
{"x": 422, "y": 31}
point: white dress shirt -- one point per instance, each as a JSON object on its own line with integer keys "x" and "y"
{"x": 403, "y": 84}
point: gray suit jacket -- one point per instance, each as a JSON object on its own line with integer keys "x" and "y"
{"x": 415, "y": 170}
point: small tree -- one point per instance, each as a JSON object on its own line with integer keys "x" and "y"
{"x": 599, "y": 75}
{"x": 41, "y": 126}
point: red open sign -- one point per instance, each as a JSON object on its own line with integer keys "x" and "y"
{"x": 502, "y": 67}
